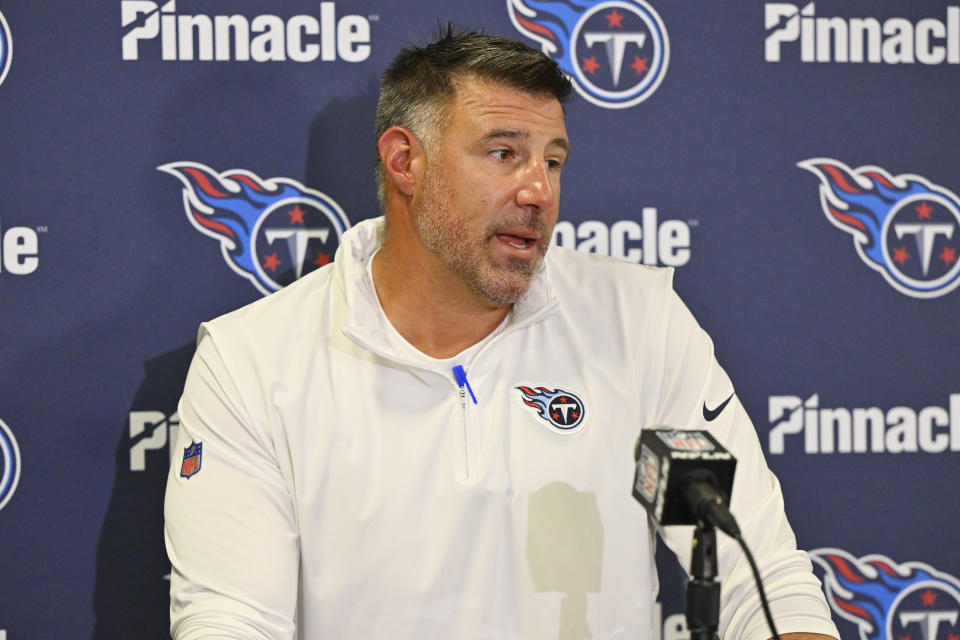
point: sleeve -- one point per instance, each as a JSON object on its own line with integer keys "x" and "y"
{"x": 693, "y": 386}
{"x": 230, "y": 525}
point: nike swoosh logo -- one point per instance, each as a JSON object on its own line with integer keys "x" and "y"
{"x": 711, "y": 414}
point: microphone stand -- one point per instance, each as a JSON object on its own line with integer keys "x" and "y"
{"x": 703, "y": 591}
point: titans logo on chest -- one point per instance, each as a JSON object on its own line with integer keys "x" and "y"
{"x": 562, "y": 410}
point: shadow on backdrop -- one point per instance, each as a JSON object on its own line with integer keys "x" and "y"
{"x": 337, "y": 154}
{"x": 132, "y": 590}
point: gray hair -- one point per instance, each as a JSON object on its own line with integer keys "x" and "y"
{"x": 420, "y": 84}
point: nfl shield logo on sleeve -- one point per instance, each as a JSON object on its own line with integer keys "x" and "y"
{"x": 191, "y": 460}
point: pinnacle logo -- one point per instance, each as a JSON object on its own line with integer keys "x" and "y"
{"x": 616, "y": 52}
{"x": 804, "y": 423}
{"x": 271, "y": 231}
{"x": 646, "y": 241}
{"x": 6, "y": 48}
{"x": 264, "y": 38}
{"x": 904, "y": 227}
{"x": 151, "y": 431}
{"x": 930, "y": 41}
{"x": 18, "y": 250}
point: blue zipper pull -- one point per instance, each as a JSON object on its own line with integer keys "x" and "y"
{"x": 461, "y": 377}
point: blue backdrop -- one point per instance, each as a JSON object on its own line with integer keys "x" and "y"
{"x": 797, "y": 163}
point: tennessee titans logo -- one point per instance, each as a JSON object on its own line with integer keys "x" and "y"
{"x": 615, "y": 51}
{"x": 192, "y": 457}
{"x": 890, "y": 601}
{"x": 9, "y": 464}
{"x": 904, "y": 227}
{"x": 6, "y": 48}
{"x": 560, "y": 409}
{"x": 270, "y": 231}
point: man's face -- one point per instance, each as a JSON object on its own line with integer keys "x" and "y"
{"x": 490, "y": 195}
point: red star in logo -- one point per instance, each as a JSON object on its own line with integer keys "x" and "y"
{"x": 639, "y": 65}
{"x": 555, "y": 415}
{"x": 614, "y": 19}
{"x": 563, "y": 399}
{"x": 574, "y": 415}
{"x": 296, "y": 214}
{"x": 929, "y": 598}
{"x": 904, "y": 638}
{"x": 590, "y": 65}
{"x": 923, "y": 211}
{"x": 900, "y": 255}
{"x": 949, "y": 256}
{"x": 953, "y": 636}
{"x": 322, "y": 259}
{"x": 270, "y": 261}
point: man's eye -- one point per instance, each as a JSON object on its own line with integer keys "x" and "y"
{"x": 555, "y": 164}
{"x": 501, "y": 154}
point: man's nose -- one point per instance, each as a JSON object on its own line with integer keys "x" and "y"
{"x": 537, "y": 188}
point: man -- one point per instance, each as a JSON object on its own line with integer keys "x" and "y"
{"x": 432, "y": 437}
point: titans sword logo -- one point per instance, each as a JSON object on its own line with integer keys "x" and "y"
{"x": 560, "y": 409}
{"x": 271, "y": 231}
{"x": 904, "y": 227}
{"x": 616, "y": 52}
{"x": 6, "y": 48}
{"x": 9, "y": 464}
{"x": 890, "y": 601}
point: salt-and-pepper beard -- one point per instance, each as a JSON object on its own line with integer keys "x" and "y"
{"x": 468, "y": 252}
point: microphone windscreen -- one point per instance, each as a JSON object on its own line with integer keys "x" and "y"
{"x": 665, "y": 458}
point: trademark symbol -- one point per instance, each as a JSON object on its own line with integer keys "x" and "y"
{"x": 694, "y": 222}
{"x": 40, "y": 229}
{"x": 375, "y": 17}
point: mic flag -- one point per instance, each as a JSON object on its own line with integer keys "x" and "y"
{"x": 683, "y": 477}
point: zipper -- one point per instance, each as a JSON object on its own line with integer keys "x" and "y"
{"x": 463, "y": 386}
{"x": 461, "y": 377}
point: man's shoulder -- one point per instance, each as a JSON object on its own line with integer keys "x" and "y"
{"x": 281, "y": 313}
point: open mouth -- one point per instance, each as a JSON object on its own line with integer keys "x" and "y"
{"x": 517, "y": 241}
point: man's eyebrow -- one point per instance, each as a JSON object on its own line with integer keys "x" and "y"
{"x": 504, "y": 133}
{"x": 523, "y": 135}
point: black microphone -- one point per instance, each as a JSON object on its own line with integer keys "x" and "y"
{"x": 685, "y": 477}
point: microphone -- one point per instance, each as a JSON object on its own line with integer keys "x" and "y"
{"x": 685, "y": 477}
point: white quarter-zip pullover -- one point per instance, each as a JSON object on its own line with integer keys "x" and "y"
{"x": 351, "y": 489}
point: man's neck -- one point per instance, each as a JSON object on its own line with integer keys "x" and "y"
{"x": 433, "y": 311}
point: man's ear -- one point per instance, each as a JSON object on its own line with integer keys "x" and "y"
{"x": 402, "y": 157}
